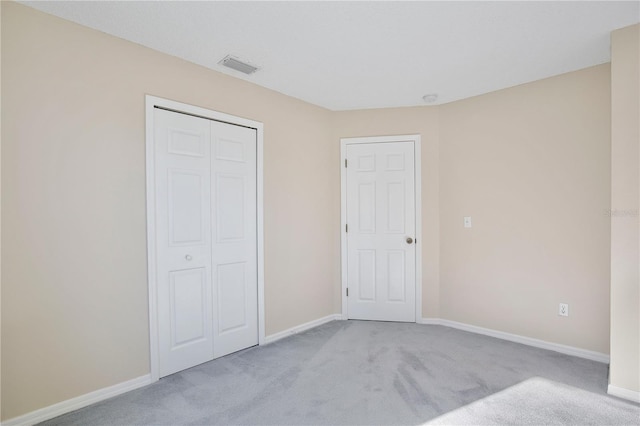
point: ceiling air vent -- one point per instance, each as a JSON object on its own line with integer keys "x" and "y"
{"x": 236, "y": 64}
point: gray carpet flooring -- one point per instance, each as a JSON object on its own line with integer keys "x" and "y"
{"x": 542, "y": 402}
{"x": 374, "y": 373}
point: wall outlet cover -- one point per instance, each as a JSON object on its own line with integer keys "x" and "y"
{"x": 563, "y": 310}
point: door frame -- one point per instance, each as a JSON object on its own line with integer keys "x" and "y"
{"x": 344, "y": 142}
{"x": 151, "y": 102}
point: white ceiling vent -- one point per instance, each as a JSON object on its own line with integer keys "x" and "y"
{"x": 236, "y": 64}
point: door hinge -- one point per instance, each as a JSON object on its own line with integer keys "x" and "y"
{"x": 347, "y": 291}
{"x": 345, "y": 163}
{"x": 346, "y": 228}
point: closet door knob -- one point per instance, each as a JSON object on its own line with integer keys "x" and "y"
{"x": 409, "y": 240}
{"x": 188, "y": 257}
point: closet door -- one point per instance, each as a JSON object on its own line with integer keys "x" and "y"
{"x": 183, "y": 236}
{"x": 206, "y": 239}
{"x": 234, "y": 235}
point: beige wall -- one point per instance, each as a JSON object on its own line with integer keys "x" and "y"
{"x": 404, "y": 121}
{"x": 625, "y": 205}
{"x": 74, "y": 305}
{"x": 530, "y": 165}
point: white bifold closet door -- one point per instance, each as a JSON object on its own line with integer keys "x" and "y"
{"x": 205, "y": 212}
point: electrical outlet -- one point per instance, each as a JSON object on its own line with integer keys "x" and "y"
{"x": 563, "y": 310}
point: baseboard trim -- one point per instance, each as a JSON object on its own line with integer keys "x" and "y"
{"x": 76, "y": 403}
{"x": 300, "y": 328}
{"x": 624, "y": 393}
{"x": 429, "y": 321}
{"x": 543, "y": 344}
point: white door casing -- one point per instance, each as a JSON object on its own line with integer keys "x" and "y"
{"x": 381, "y": 267}
{"x": 198, "y": 253}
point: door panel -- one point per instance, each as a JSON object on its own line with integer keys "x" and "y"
{"x": 234, "y": 255}
{"x": 230, "y": 201}
{"x": 367, "y": 207}
{"x": 230, "y": 150}
{"x": 396, "y": 276}
{"x": 183, "y": 235}
{"x": 366, "y": 275}
{"x": 381, "y": 215}
{"x": 232, "y": 297}
{"x": 188, "y": 310}
{"x": 185, "y": 142}
{"x": 395, "y": 208}
{"x": 186, "y": 201}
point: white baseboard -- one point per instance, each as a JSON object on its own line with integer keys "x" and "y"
{"x": 624, "y": 393}
{"x": 81, "y": 401}
{"x": 567, "y": 350}
{"x": 300, "y": 328}
{"x": 429, "y": 321}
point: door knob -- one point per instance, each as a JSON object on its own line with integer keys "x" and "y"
{"x": 188, "y": 257}
{"x": 409, "y": 240}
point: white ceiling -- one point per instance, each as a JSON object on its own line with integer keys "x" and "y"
{"x": 349, "y": 55}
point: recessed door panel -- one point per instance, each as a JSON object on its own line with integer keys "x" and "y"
{"x": 366, "y": 163}
{"x": 396, "y": 276}
{"x": 230, "y": 150}
{"x": 232, "y": 296}
{"x": 395, "y": 161}
{"x": 188, "y": 305}
{"x": 185, "y": 142}
{"x": 395, "y": 207}
{"x": 367, "y": 207}
{"x": 186, "y": 200}
{"x": 366, "y": 275}
{"x": 380, "y": 215}
{"x": 230, "y": 207}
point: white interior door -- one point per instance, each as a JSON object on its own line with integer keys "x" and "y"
{"x": 235, "y": 275}
{"x": 380, "y": 215}
{"x": 206, "y": 237}
{"x": 183, "y": 235}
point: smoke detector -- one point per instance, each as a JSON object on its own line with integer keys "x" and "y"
{"x": 430, "y": 98}
{"x": 238, "y": 65}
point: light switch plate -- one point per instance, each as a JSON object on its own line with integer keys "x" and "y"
{"x": 467, "y": 221}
